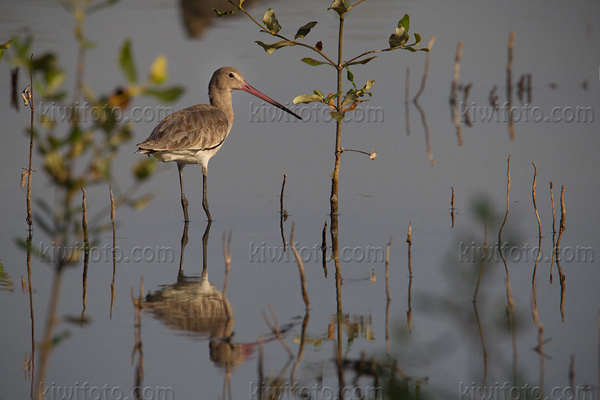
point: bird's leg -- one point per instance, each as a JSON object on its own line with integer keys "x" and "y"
{"x": 184, "y": 201}
{"x": 204, "y": 199}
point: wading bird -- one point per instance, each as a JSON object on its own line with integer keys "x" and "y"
{"x": 195, "y": 134}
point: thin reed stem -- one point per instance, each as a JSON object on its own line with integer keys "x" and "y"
{"x": 387, "y": 268}
{"x": 426, "y": 70}
{"x": 300, "y": 269}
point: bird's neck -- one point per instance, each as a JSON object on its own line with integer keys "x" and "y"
{"x": 222, "y": 100}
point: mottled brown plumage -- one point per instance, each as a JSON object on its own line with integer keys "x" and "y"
{"x": 198, "y": 127}
{"x": 195, "y": 134}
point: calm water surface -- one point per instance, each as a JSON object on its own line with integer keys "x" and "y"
{"x": 196, "y": 339}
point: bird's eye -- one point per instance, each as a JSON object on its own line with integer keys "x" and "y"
{"x": 231, "y": 75}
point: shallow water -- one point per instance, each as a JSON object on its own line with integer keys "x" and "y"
{"x": 446, "y": 348}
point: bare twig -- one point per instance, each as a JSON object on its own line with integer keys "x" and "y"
{"x": 553, "y": 229}
{"x": 540, "y": 336}
{"x": 493, "y": 97}
{"x": 465, "y": 111}
{"x": 114, "y": 251}
{"x": 28, "y": 99}
{"x": 453, "y": 93}
{"x": 300, "y": 268}
{"x": 511, "y": 43}
{"x": 563, "y": 216}
{"x": 406, "y": 101}
{"x": 426, "y": 71}
{"x": 507, "y": 208}
{"x": 274, "y": 327}
{"x": 355, "y": 4}
{"x": 452, "y": 207}
{"x": 84, "y": 219}
{"x": 387, "y": 327}
{"x": 86, "y": 251}
{"x": 483, "y": 257}
{"x": 371, "y": 155}
{"x": 281, "y": 210}
{"x": 409, "y": 241}
{"x": 324, "y": 249}
{"x": 137, "y": 333}
{"x": 454, "y": 86}
{"x": 282, "y": 213}
{"x": 534, "y": 203}
{"x": 509, "y": 299}
{"x": 537, "y": 259}
{"x": 301, "y": 347}
{"x": 481, "y": 337}
{"x": 572, "y": 371}
{"x": 426, "y": 130}
{"x": 51, "y": 320}
{"x": 387, "y": 267}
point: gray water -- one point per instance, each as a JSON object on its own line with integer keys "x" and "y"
{"x": 556, "y": 42}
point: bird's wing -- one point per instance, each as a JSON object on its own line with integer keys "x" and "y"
{"x": 198, "y": 127}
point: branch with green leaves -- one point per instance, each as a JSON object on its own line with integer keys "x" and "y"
{"x": 350, "y": 101}
{"x": 397, "y": 41}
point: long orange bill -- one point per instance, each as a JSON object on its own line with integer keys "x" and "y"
{"x": 247, "y": 88}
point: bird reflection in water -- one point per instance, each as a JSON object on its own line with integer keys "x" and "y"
{"x": 196, "y": 308}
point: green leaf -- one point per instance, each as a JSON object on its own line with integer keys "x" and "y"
{"x": 338, "y": 6}
{"x": 318, "y": 93}
{"x": 222, "y": 13}
{"x": 333, "y": 96}
{"x": 271, "y": 22}
{"x": 337, "y": 115}
{"x": 303, "y": 31}
{"x": 369, "y": 84}
{"x": 270, "y": 48}
{"x": 405, "y": 22}
{"x": 363, "y": 62}
{"x": 350, "y": 99}
{"x": 158, "y": 71}
{"x": 413, "y": 50}
{"x": 311, "y": 61}
{"x": 400, "y": 37}
{"x": 307, "y": 98}
{"x": 351, "y": 78}
{"x": 126, "y": 62}
{"x": 5, "y": 46}
{"x": 417, "y": 38}
{"x": 166, "y": 95}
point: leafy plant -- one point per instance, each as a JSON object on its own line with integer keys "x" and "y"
{"x": 79, "y": 138}
{"x": 340, "y": 101}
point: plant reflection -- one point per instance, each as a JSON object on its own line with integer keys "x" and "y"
{"x": 198, "y": 15}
